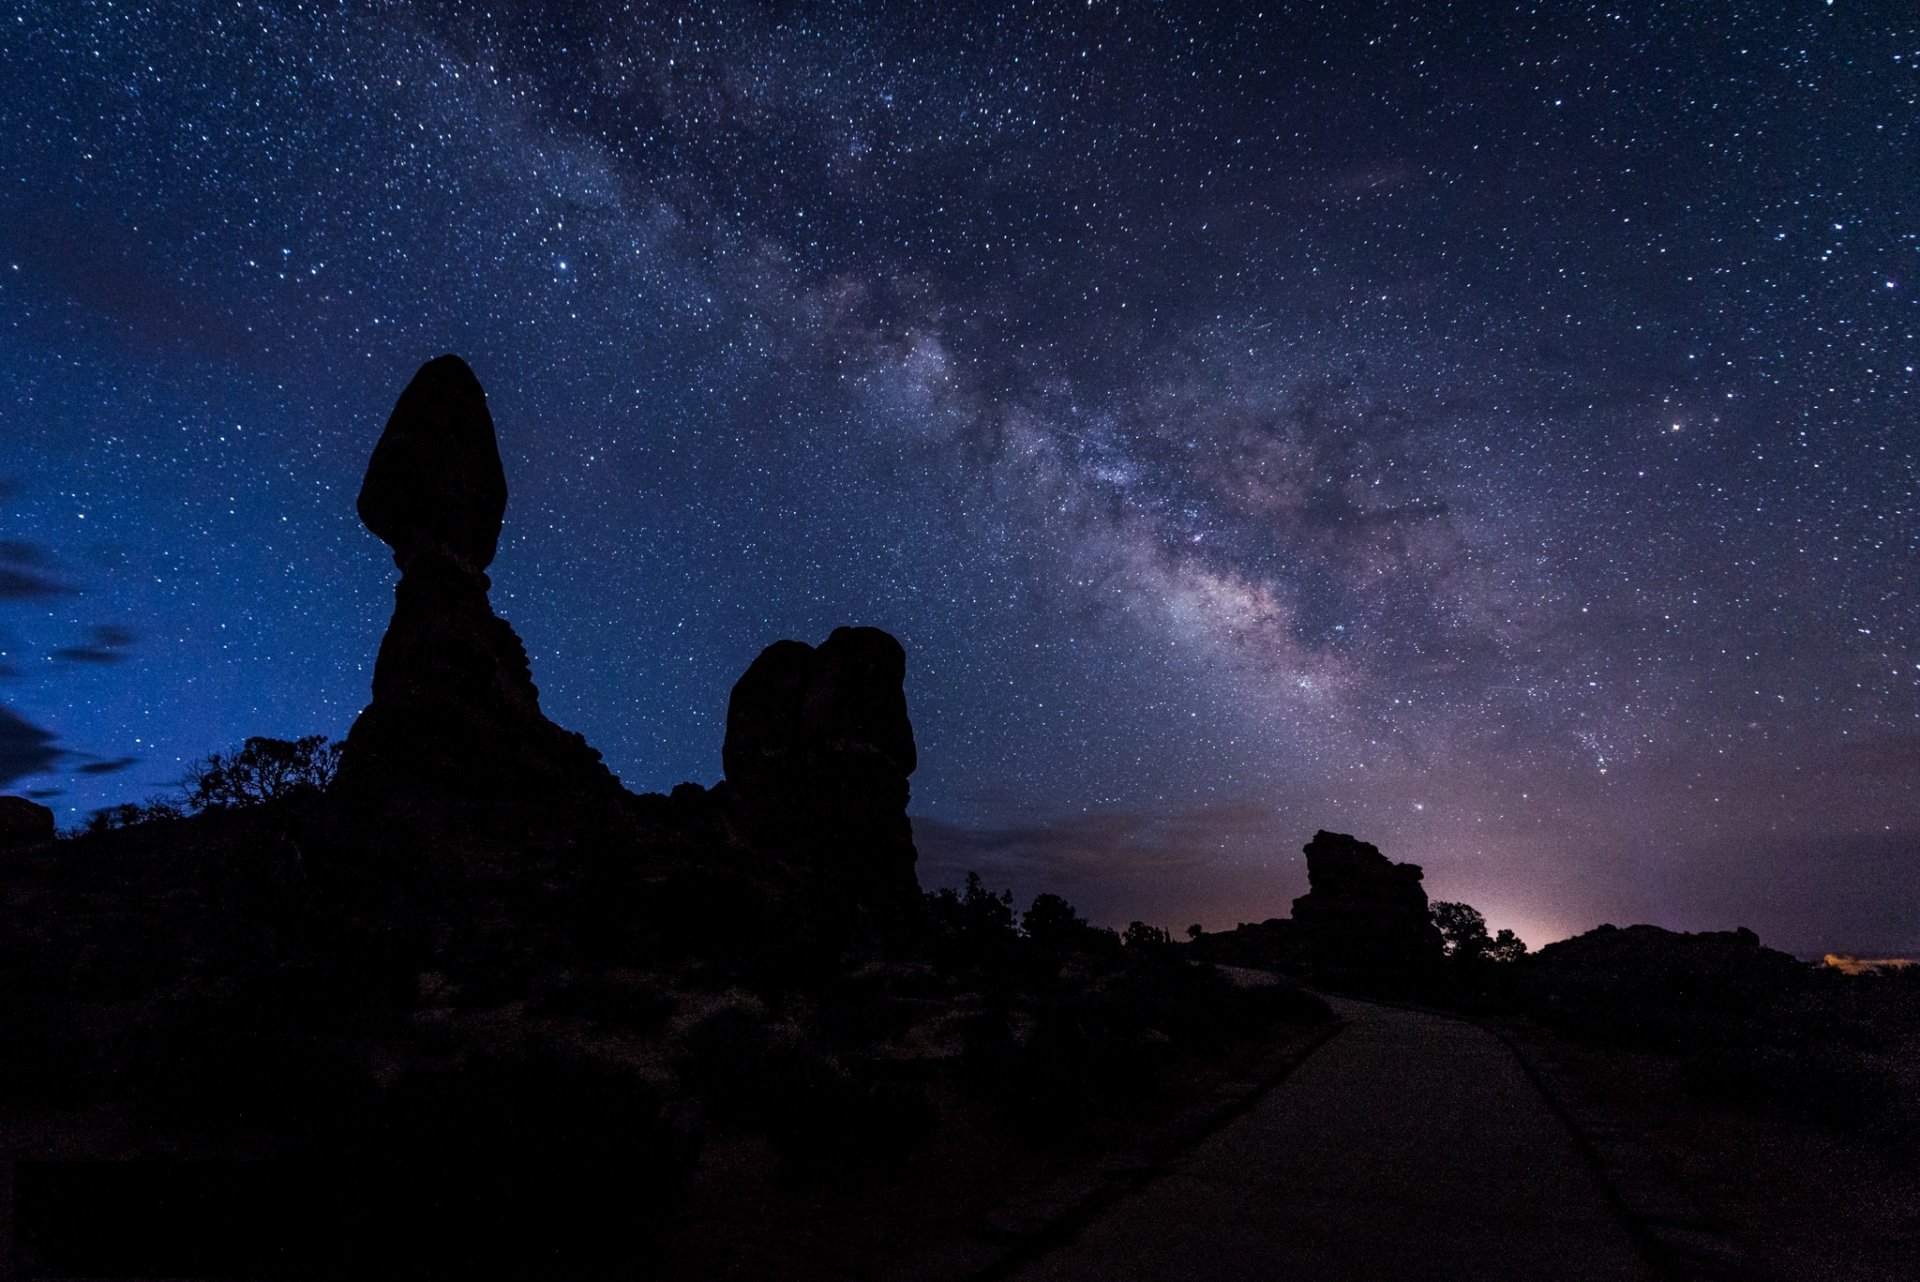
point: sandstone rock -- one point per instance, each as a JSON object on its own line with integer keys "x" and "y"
{"x": 1666, "y": 988}
{"x": 455, "y": 723}
{"x": 817, "y": 755}
{"x": 24, "y": 823}
{"x": 435, "y": 483}
{"x": 1365, "y": 914}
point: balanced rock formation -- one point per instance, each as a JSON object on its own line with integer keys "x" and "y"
{"x": 817, "y": 755}
{"x": 1364, "y": 915}
{"x": 24, "y": 823}
{"x": 455, "y": 726}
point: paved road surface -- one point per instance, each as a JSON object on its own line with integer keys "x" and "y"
{"x": 1408, "y": 1147}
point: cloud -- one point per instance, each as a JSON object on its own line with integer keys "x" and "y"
{"x": 22, "y": 552}
{"x": 107, "y": 766}
{"x": 25, "y": 749}
{"x": 1110, "y": 863}
{"x": 25, "y": 569}
{"x": 17, "y": 584}
{"x": 107, "y": 646}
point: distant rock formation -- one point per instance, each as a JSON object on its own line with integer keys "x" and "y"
{"x": 1660, "y": 956}
{"x": 817, "y": 755}
{"x": 24, "y": 823}
{"x": 455, "y": 720}
{"x": 1364, "y": 914}
{"x": 1664, "y": 987}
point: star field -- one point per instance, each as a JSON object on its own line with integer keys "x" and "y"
{"x": 1490, "y": 431}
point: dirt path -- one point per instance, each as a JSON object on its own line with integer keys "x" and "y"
{"x": 1409, "y": 1147}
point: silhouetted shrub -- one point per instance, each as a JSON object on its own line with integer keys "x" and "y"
{"x": 972, "y": 929}
{"x": 131, "y": 814}
{"x": 1140, "y": 935}
{"x": 1052, "y": 922}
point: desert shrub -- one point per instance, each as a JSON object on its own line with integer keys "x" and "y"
{"x": 132, "y": 814}
{"x": 972, "y": 930}
{"x": 974, "y": 913}
{"x": 1055, "y": 924}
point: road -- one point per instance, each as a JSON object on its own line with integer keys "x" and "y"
{"x": 1410, "y": 1146}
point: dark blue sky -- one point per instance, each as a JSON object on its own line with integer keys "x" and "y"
{"x": 1488, "y": 431}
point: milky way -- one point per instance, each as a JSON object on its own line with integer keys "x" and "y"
{"x": 1491, "y": 432}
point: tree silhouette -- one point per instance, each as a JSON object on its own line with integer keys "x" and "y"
{"x": 262, "y": 770}
{"x": 1052, "y": 922}
{"x": 1140, "y": 935}
{"x": 1468, "y": 943}
{"x": 1464, "y": 929}
{"x": 1506, "y": 947}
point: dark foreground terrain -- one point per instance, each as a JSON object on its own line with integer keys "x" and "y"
{"x": 449, "y": 1001}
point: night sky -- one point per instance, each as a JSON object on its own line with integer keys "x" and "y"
{"x": 1490, "y": 431}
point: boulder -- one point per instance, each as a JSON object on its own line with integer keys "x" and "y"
{"x": 24, "y": 823}
{"x": 817, "y": 754}
{"x": 435, "y": 484}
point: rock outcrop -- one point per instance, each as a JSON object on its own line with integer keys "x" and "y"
{"x": 817, "y": 755}
{"x": 24, "y": 823}
{"x": 455, "y": 728}
{"x": 1365, "y": 915}
{"x": 1666, "y": 988}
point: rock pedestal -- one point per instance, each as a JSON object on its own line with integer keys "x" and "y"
{"x": 455, "y": 720}
{"x": 817, "y": 755}
{"x": 1365, "y": 915}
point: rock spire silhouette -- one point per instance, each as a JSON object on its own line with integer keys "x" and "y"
{"x": 817, "y": 755}
{"x": 455, "y": 718}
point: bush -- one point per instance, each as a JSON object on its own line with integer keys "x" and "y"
{"x": 134, "y": 813}
{"x": 1140, "y": 935}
